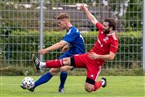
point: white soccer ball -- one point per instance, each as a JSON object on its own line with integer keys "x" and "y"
{"x": 28, "y": 82}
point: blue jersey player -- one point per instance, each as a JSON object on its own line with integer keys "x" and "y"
{"x": 72, "y": 43}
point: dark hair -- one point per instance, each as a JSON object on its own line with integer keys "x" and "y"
{"x": 62, "y": 16}
{"x": 112, "y": 22}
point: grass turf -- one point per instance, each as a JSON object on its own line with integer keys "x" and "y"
{"x": 118, "y": 86}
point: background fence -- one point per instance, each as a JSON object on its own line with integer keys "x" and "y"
{"x": 20, "y": 17}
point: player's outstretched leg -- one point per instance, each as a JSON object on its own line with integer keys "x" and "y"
{"x": 49, "y": 64}
{"x": 63, "y": 76}
{"x": 43, "y": 79}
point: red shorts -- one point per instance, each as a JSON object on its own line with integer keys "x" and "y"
{"x": 93, "y": 66}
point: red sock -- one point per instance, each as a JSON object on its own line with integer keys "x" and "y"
{"x": 54, "y": 63}
{"x": 97, "y": 85}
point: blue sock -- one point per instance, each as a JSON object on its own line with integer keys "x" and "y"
{"x": 63, "y": 76}
{"x": 43, "y": 79}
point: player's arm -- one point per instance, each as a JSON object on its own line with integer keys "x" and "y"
{"x": 109, "y": 56}
{"x": 88, "y": 14}
{"x": 55, "y": 46}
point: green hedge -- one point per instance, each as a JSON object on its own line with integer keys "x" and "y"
{"x": 27, "y": 42}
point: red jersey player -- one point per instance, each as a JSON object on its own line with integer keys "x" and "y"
{"x": 104, "y": 49}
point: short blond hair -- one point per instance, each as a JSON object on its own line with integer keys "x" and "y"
{"x": 62, "y": 16}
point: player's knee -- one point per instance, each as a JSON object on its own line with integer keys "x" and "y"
{"x": 66, "y": 61}
{"x": 62, "y": 69}
{"x": 54, "y": 71}
{"x": 88, "y": 86}
{"x": 88, "y": 89}
{"x": 65, "y": 68}
{"x": 69, "y": 61}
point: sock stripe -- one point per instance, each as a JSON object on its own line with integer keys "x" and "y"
{"x": 61, "y": 62}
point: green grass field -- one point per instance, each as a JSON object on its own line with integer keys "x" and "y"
{"x": 118, "y": 86}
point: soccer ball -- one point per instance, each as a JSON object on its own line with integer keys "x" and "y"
{"x": 28, "y": 83}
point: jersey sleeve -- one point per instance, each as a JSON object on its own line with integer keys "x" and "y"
{"x": 70, "y": 36}
{"x": 99, "y": 26}
{"x": 114, "y": 46}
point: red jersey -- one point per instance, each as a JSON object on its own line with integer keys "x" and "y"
{"x": 105, "y": 43}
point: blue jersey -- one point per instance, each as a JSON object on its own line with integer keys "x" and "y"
{"x": 76, "y": 42}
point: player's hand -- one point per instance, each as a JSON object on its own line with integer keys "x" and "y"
{"x": 43, "y": 51}
{"x": 83, "y": 8}
{"x": 93, "y": 55}
{"x": 64, "y": 49}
